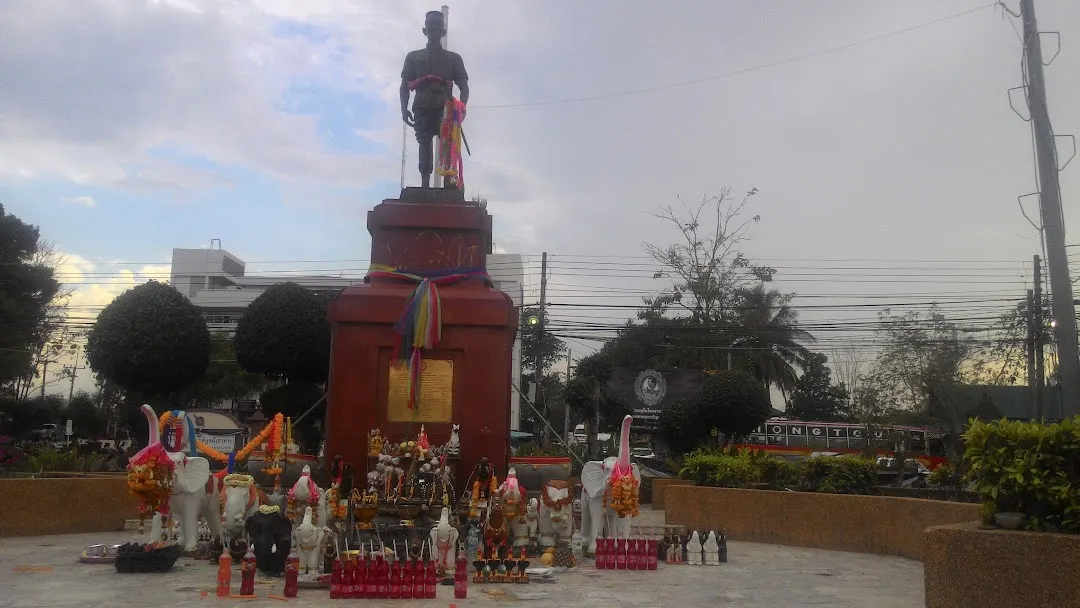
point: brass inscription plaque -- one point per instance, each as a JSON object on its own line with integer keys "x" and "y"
{"x": 436, "y": 402}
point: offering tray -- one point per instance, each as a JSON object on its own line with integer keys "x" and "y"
{"x": 99, "y": 554}
{"x": 313, "y": 581}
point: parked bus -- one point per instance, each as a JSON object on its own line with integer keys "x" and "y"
{"x": 781, "y": 436}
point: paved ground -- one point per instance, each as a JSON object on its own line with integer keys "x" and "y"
{"x": 44, "y": 571}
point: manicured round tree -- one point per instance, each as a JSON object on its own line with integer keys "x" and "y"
{"x": 150, "y": 340}
{"x": 734, "y": 403}
{"x": 284, "y": 333}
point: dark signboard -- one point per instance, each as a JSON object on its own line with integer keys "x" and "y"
{"x": 648, "y": 392}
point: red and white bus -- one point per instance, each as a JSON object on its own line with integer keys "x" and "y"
{"x": 781, "y": 436}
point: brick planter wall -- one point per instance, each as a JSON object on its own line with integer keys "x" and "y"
{"x": 866, "y": 524}
{"x": 966, "y": 567}
{"x": 73, "y": 505}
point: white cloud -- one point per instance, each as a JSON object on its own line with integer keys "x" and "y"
{"x": 84, "y": 200}
{"x": 94, "y": 286}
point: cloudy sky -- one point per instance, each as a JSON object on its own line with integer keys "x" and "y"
{"x": 130, "y": 127}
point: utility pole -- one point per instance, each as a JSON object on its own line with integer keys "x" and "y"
{"x": 1029, "y": 348}
{"x": 566, "y": 408}
{"x": 74, "y": 371}
{"x": 540, "y": 401}
{"x": 1052, "y": 218}
{"x": 44, "y": 376}
{"x": 1039, "y": 334}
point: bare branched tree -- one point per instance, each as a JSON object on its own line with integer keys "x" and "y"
{"x": 850, "y": 368}
{"x": 706, "y": 267}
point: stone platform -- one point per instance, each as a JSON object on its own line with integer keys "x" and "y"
{"x": 44, "y": 571}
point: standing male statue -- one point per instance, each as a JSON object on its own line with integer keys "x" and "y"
{"x": 431, "y": 72}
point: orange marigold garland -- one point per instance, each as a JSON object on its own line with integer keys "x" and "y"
{"x": 217, "y": 455}
{"x": 621, "y": 495}
{"x": 150, "y": 480}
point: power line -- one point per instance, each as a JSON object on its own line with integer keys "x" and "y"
{"x": 740, "y": 72}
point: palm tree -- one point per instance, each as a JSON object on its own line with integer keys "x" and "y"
{"x": 770, "y": 341}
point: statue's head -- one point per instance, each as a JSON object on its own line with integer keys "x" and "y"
{"x": 434, "y": 26}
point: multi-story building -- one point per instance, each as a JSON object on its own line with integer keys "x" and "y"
{"x": 215, "y": 280}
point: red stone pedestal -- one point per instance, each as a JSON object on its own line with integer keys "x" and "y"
{"x": 424, "y": 232}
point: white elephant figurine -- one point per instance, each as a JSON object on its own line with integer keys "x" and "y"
{"x": 556, "y": 513}
{"x": 711, "y": 550}
{"x": 309, "y": 543}
{"x": 596, "y": 477}
{"x": 444, "y": 539}
{"x": 195, "y": 494}
{"x": 693, "y": 550}
{"x": 242, "y": 500}
{"x": 306, "y": 493}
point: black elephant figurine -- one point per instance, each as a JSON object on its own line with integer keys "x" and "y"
{"x": 272, "y": 535}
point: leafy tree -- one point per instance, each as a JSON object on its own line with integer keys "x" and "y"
{"x": 150, "y": 340}
{"x": 28, "y": 288}
{"x": 284, "y": 333}
{"x": 922, "y": 350}
{"x": 550, "y": 349}
{"x": 815, "y": 397}
{"x": 717, "y": 314}
{"x": 23, "y": 417}
{"x": 734, "y": 403}
{"x": 291, "y": 401}
{"x": 771, "y": 337}
{"x": 224, "y": 379}
{"x": 587, "y": 397}
{"x": 680, "y": 426}
{"x": 87, "y": 420}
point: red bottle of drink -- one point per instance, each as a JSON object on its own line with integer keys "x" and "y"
{"x": 609, "y": 553}
{"x": 599, "y": 557}
{"x": 406, "y": 579}
{"x": 382, "y": 579}
{"x": 395, "y": 580}
{"x": 371, "y": 572}
{"x": 419, "y": 587}
{"x": 650, "y": 554}
{"x": 359, "y": 578}
{"x": 632, "y": 557}
{"x": 224, "y": 576}
{"x": 620, "y": 553}
{"x": 292, "y": 573}
{"x": 430, "y": 580}
{"x": 461, "y": 575}
{"x": 348, "y": 579}
{"x": 335, "y": 580}
{"x": 247, "y": 572}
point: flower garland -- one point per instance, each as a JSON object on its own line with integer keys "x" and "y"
{"x": 474, "y": 500}
{"x": 451, "y": 166}
{"x": 555, "y": 505}
{"x": 150, "y": 479}
{"x": 621, "y": 494}
{"x": 246, "y": 451}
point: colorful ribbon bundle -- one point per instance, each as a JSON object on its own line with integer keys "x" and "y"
{"x": 451, "y": 166}
{"x": 420, "y": 325}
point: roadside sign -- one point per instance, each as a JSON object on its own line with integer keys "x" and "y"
{"x": 67, "y": 429}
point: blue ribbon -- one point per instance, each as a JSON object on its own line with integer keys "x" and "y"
{"x": 191, "y": 436}
{"x": 232, "y": 462}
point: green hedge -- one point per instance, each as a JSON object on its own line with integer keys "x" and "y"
{"x": 834, "y": 474}
{"x": 1029, "y": 468}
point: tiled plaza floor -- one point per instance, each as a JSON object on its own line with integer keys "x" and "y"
{"x": 44, "y": 571}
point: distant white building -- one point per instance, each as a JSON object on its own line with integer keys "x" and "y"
{"x": 215, "y": 281}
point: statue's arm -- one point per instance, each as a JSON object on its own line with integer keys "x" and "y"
{"x": 407, "y": 76}
{"x": 461, "y": 79}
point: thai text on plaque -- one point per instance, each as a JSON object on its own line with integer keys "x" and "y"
{"x": 436, "y": 402}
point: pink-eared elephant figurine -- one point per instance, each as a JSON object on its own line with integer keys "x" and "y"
{"x": 195, "y": 493}
{"x": 596, "y": 520}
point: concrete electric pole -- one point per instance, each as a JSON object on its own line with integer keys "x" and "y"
{"x": 1052, "y": 218}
